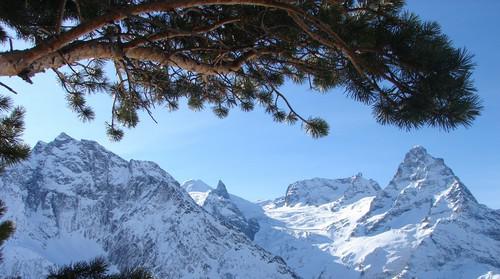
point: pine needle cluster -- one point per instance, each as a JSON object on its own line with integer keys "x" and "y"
{"x": 7, "y": 228}
{"x": 97, "y": 268}
{"x": 12, "y": 148}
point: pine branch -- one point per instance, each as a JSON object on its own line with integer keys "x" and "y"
{"x": 60, "y": 16}
{"x": 8, "y": 87}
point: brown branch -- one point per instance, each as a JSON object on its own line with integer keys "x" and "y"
{"x": 342, "y": 46}
{"x": 170, "y": 34}
{"x": 97, "y": 50}
{"x": 282, "y": 96}
{"x": 8, "y": 87}
{"x": 12, "y": 63}
{"x": 337, "y": 43}
{"x": 78, "y": 10}
{"x": 41, "y": 57}
{"x": 60, "y": 16}
{"x": 113, "y": 113}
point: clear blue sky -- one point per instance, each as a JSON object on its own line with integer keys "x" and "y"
{"x": 258, "y": 158}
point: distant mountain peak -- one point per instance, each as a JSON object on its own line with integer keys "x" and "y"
{"x": 425, "y": 224}
{"x": 418, "y": 165}
{"x": 221, "y": 190}
{"x": 39, "y": 146}
{"x": 358, "y": 175}
{"x": 70, "y": 144}
{"x": 417, "y": 154}
{"x": 64, "y": 137}
{"x": 196, "y": 185}
{"x": 319, "y": 191}
{"x": 422, "y": 186}
{"x": 418, "y": 149}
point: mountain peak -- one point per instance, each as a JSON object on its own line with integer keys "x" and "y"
{"x": 358, "y": 175}
{"x": 196, "y": 185}
{"x": 221, "y": 190}
{"x": 420, "y": 182}
{"x": 76, "y": 196}
{"x": 64, "y": 145}
{"x": 417, "y": 153}
{"x": 318, "y": 191}
{"x": 63, "y": 137}
{"x": 419, "y": 164}
{"x": 418, "y": 148}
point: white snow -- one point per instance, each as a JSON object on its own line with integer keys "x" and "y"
{"x": 424, "y": 224}
{"x": 74, "y": 200}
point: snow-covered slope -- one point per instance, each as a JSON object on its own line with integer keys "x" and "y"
{"x": 219, "y": 204}
{"x": 436, "y": 227}
{"x": 74, "y": 200}
{"x": 424, "y": 224}
{"x": 319, "y": 191}
{"x": 197, "y": 189}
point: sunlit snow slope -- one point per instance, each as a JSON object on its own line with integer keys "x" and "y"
{"x": 424, "y": 224}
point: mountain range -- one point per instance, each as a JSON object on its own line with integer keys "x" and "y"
{"x": 73, "y": 200}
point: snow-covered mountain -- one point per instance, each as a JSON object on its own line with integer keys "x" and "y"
{"x": 219, "y": 204}
{"x": 319, "y": 191}
{"x": 424, "y": 224}
{"x": 74, "y": 200}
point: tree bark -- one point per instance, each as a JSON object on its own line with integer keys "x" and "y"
{"x": 112, "y": 51}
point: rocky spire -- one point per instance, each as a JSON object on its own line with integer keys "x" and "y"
{"x": 221, "y": 190}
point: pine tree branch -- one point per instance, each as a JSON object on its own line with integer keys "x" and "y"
{"x": 282, "y": 96}
{"x": 404, "y": 68}
{"x": 13, "y": 63}
{"x": 8, "y": 87}
{"x": 83, "y": 51}
{"x": 170, "y": 34}
{"x": 60, "y": 16}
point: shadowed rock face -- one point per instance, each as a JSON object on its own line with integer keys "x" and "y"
{"x": 221, "y": 190}
{"x": 74, "y": 200}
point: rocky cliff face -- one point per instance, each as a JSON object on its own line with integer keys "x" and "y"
{"x": 74, "y": 200}
{"x": 424, "y": 224}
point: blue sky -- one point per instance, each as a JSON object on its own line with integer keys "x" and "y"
{"x": 258, "y": 158}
